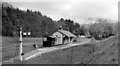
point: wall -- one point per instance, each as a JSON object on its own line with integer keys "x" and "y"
{"x": 59, "y": 37}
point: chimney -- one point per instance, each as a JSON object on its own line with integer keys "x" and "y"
{"x": 60, "y": 28}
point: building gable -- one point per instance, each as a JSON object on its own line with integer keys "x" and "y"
{"x": 67, "y": 33}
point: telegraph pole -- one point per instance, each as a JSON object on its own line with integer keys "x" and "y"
{"x": 21, "y": 44}
{"x": 21, "y": 48}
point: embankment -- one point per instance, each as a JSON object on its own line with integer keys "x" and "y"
{"x": 96, "y": 52}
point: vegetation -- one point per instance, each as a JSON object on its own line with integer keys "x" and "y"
{"x": 10, "y": 46}
{"x": 34, "y": 22}
{"x": 41, "y": 25}
{"x": 31, "y": 21}
{"x": 75, "y": 28}
{"x": 95, "y": 52}
{"x": 102, "y": 29}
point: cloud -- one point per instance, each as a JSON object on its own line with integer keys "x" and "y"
{"x": 78, "y": 10}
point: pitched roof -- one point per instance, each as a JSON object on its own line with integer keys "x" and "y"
{"x": 67, "y": 33}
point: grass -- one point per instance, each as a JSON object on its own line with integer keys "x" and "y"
{"x": 65, "y": 56}
{"x": 9, "y": 44}
{"x": 106, "y": 52}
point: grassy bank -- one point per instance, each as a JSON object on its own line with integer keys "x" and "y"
{"x": 96, "y": 52}
{"x": 107, "y": 52}
{"x": 64, "y": 56}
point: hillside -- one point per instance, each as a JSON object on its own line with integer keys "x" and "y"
{"x": 31, "y": 21}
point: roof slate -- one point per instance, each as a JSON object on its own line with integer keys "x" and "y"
{"x": 67, "y": 33}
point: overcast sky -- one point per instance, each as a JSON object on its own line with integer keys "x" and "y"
{"x": 77, "y": 10}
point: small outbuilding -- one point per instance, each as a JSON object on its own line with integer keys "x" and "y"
{"x": 48, "y": 41}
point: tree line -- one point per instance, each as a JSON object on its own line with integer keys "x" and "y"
{"x": 32, "y": 21}
{"x": 42, "y": 25}
{"x": 103, "y": 28}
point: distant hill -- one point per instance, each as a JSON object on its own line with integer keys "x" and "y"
{"x": 41, "y": 25}
{"x": 31, "y": 21}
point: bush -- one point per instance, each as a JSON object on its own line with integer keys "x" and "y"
{"x": 111, "y": 35}
{"x": 98, "y": 37}
{"x": 103, "y": 28}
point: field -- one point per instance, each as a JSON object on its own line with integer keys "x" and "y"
{"x": 10, "y": 46}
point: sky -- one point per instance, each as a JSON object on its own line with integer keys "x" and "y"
{"x": 76, "y": 10}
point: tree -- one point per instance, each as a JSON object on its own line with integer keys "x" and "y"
{"x": 103, "y": 27}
